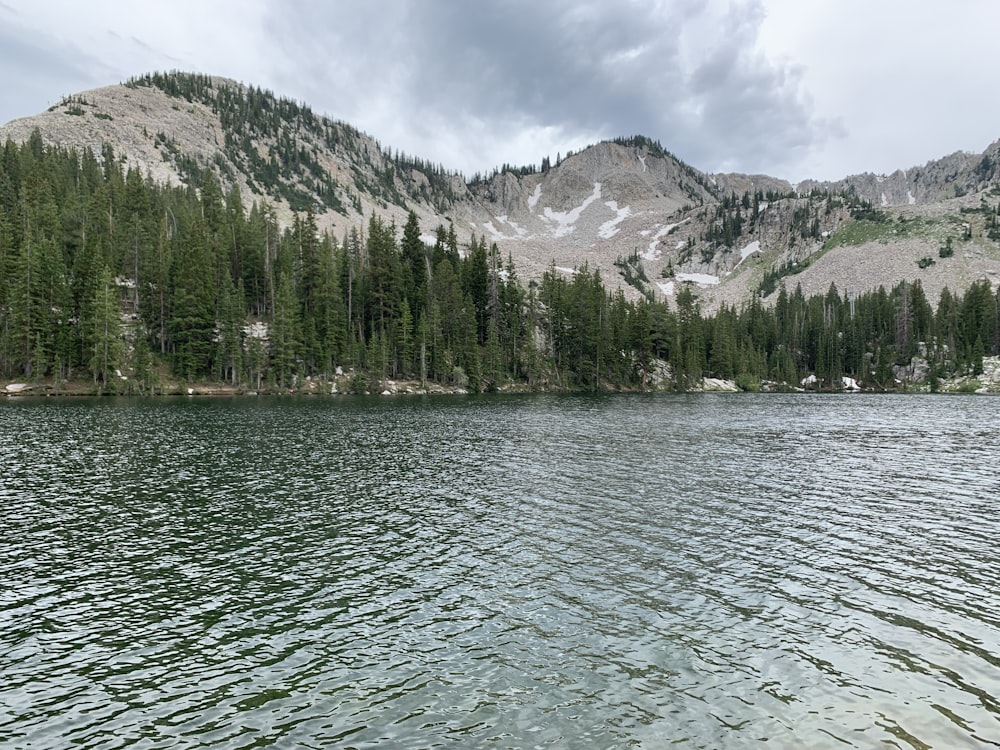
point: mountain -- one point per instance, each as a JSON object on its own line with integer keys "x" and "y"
{"x": 628, "y": 208}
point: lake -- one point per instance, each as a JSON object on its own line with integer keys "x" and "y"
{"x": 712, "y": 570}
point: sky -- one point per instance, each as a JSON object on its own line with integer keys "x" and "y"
{"x": 795, "y": 89}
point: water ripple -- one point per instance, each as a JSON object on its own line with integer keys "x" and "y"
{"x": 511, "y": 572}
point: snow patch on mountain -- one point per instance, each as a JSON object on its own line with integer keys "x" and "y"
{"x": 701, "y": 279}
{"x": 498, "y": 234}
{"x": 564, "y": 221}
{"x": 495, "y": 233}
{"x": 533, "y": 198}
{"x": 753, "y": 247}
{"x": 652, "y": 251}
{"x": 610, "y": 228}
{"x": 669, "y": 288}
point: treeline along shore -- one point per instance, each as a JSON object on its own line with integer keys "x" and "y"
{"x": 112, "y": 283}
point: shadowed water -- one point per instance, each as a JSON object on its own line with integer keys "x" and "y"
{"x": 711, "y": 571}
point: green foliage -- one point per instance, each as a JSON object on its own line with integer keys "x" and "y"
{"x": 289, "y": 170}
{"x": 298, "y": 142}
{"x": 991, "y": 219}
{"x": 102, "y": 270}
{"x": 993, "y": 226}
{"x": 105, "y": 331}
{"x": 747, "y": 382}
{"x": 634, "y": 273}
{"x": 925, "y": 262}
{"x": 861, "y": 232}
{"x": 863, "y": 210}
{"x": 727, "y": 226}
{"x": 653, "y": 147}
{"x": 773, "y": 275}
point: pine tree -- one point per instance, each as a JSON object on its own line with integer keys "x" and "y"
{"x": 105, "y": 331}
{"x": 232, "y": 310}
{"x": 331, "y": 314}
{"x": 493, "y": 358}
{"x": 467, "y": 348}
{"x": 475, "y": 283}
{"x": 405, "y": 339}
{"x": 384, "y": 275}
{"x": 722, "y": 360}
{"x": 192, "y": 315}
{"x": 37, "y": 289}
{"x": 415, "y": 264}
{"x": 142, "y": 363}
{"x": 285, "y": 334}
{"x": 690, "y": 342}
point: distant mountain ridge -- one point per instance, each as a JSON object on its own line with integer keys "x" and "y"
{"x": 628, "y": 208}
{"x": 949, "y": 177}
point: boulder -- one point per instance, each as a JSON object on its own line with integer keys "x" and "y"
{"x": 918, "y": 371}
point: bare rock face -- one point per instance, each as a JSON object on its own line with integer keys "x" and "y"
{"x": 746, "y": 183}
{"x": 917, "y": 371}
{"x": 506, "y": 194}
{"x": 950, "y": 177}
{"x": 633, "y": 174}
{"x": 139, "y": 124}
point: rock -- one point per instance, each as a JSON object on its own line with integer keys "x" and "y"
{"x": 717, "y": 384}
{"x": 18, "y": 387}
{"x": 991, "y": 370}
{"x": 918, "y": 371}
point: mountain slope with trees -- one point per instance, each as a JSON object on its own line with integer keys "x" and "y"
{"x": 238, "y": 238}
{"x": 112, "y": 277}
{"x": 627, "y": 208}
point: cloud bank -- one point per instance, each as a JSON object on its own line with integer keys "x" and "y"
{"x": 795, "y": 90}
{"x": 689, "y": 74}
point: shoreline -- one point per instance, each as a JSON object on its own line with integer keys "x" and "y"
{"x": 341, "y": 388}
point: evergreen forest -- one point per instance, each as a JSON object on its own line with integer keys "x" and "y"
{"x": 110, "y": 279}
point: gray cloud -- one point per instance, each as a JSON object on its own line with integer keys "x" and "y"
{"x": 39, "y": 70}
{"x": 51, "y": 49}
{"x": 686, "y": 73}
{"x": 777, "y": 86}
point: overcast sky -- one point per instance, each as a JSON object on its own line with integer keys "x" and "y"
{"x": 791, "y": 88}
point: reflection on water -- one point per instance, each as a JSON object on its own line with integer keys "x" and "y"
{"x": 501, "y": 572}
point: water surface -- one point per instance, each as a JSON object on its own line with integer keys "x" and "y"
{"x": 537, "y": 571}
